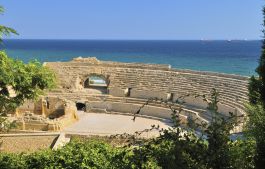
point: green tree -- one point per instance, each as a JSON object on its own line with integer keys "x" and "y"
{"x": 254, "y": 90}
{"x": 256, "y": 129}
{"x": 218, "y": 136}
{"x": 261, "y": 67}
{"x": 257, "y": 84}
{"x": 19, "y": 81}
{"x": 256, "y": 109}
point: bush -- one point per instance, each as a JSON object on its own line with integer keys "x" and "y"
{"x": 86, "y": 154}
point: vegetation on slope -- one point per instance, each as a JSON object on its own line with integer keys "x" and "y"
{"x": 19, "y": 81}
{"x": 256, "y": 108}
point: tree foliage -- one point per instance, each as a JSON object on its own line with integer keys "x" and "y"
{"x": 257, "y": 84}
{"x": 4, "y": 30}
{"x": 188, "y": 152}
{"x": 256, "y": 108}
{"x": 261, "y": 67}
{"x": 256, "y": 129}
{"x": 254, "y": 88}
{"x": 20, "y": 82}
{"x": 77, "y": 154}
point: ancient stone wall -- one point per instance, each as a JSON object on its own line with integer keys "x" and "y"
{"x": 46, "y": 114}
{"x": 152, "y": 81}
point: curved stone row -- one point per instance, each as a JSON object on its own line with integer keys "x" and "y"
{"x": 107, "y": 103}
{"x": 99, "y": 104}
{"x": 144, "y": 81}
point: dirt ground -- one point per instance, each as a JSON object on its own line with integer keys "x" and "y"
{"x": 26, "y": 144}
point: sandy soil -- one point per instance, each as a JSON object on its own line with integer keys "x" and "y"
{"x": 109, "y": 124}
{"x": 20, "y": 144}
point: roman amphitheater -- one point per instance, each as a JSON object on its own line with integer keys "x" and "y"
{"x": 101, "y": 97}
{"x": 122, "y": 88}
{"x": 96, "y": 97}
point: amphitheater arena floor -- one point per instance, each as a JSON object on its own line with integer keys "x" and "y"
{"x": 111, "y": 124}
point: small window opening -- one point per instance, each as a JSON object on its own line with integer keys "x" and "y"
{"x": 47, "y": 103}
{"x": 128, "y": 92}
{"x": 170, "y": 97}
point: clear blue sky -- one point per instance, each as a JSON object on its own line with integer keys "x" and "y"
{"x": 134, "y": 19}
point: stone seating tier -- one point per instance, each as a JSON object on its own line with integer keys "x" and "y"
{"x": 223, "y": 98}
{"x": 147, "y": 81}
{"x": 201, "y": 113}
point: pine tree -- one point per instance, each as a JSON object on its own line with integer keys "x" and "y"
{"x": 256, "y": 109}
{"x": 257, "y": 84}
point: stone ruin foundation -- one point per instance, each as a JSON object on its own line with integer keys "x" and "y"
{"x": 46, "y": 114}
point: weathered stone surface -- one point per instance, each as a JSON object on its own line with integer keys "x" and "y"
{"x": 128, "y": 86}
{"x": 46, "y": 114}
{"x": 151, "y": 81}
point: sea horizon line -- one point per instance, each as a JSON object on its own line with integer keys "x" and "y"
{"x": 206, "y": 40}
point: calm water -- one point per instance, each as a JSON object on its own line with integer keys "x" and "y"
{"x": 236, "y": 57}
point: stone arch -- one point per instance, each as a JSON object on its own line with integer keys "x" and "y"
{"x": 97, "y": 83}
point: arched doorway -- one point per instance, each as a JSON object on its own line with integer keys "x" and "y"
{"x": 96, "y": 84}
{"x": 81, "y": 106}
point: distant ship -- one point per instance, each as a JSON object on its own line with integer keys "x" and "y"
{"x": 206, "y": 40}
{"x": 230, "y": 40}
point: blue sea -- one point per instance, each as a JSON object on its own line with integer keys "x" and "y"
{"x": 233, "y": 57}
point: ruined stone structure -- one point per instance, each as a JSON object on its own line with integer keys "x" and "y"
{"x": 128, "y": 85}
{"x": 46, "y": 114}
